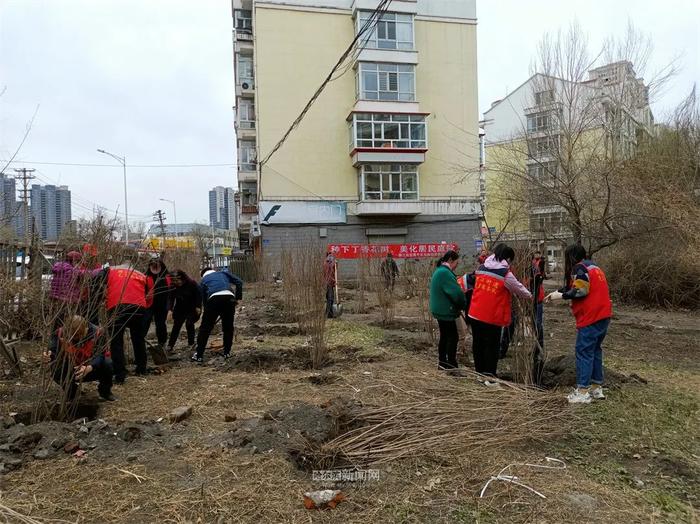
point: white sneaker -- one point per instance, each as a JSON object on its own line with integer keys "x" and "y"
{"x": 597, "y": 393}
{"x": 579, "y": 397}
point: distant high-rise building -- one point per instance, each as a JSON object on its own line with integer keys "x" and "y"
{"x": 11, "y": 211}
{"x": 51, "y": 210}
{"x": 222, "y": 208}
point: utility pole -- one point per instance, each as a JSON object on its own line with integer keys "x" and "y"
{"x": 160, "y": 217}
{"x": 24, "y": 175}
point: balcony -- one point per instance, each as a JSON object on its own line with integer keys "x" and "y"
{"x": 387, "y": 208}
{"x": 249, "y": 209}
{"x": 387, "y": 138}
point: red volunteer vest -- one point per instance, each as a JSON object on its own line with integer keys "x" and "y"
{"x": 78, "y": 355}
{"x": 491, "y": 300}
{"x": 126, "y": 286}
{"x": 596, "y": 305}
{"x": 462, "y": 281}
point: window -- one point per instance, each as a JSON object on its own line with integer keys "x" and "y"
{"x": 547, "y": 222}
{"x": 391, "y": 31}
{"x": 389, "y": 182}
{"x": 387, "y": 82}
{"x": 546, "y": 146}
{"x": 246, "y": 113}
{"x": 381, "y": 130}
{"x": 247, "y": 157}
{"x": 540, "y": 122}
{"x": 544, "y": 97}
{"x": 244, "y": 20}
{"x": 245, "y": 70}
{"x": 544, "y": 173}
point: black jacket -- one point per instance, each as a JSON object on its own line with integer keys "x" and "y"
{"x": 186, "y": 298}
{"x": 161, "y": 288}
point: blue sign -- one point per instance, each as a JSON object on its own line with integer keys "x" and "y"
{"x": 478, "y": 244}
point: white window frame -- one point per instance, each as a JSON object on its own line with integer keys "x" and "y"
{"x": 546, "y": 96}
{"x": 249, "y": 19}
{"x": 386, "y": 74}
{"x": 371, "y": 39}
{"x": 546, "y": 146}
{"x": 242, "y": 77}
{"x": 389, "y": 169}
{"x": 247, "y": 155}
{"x": 246, "y": 113}
{"x": 379, "y": 122}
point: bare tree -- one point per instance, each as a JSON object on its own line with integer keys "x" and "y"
{"x": 588, "y": 115}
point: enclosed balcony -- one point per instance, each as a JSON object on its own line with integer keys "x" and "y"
{"x": 391, "y": 138}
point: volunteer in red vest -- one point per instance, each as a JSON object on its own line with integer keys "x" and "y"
{"x": 127, "y": 297}
{"x": 490, "y": 308}
{"x": 587, "y": 288}
{"x": 78, "y": 352}
{"x": 160, "y": 284}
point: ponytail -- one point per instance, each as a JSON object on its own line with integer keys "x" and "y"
{"x": 448, "y": 256}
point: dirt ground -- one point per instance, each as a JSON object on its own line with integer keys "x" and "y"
{"x": 634, "y": 457}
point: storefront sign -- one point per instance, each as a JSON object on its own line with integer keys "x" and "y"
{"x": 303, "y": 212}
{"x": 342, "y": 251}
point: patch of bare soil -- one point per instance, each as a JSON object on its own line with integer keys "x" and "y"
{"x": 561, "y": 372}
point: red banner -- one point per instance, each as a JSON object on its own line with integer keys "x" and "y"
{"x": 343, "y": 251}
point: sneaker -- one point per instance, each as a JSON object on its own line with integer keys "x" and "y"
{"x": 227, "y": 355}
{"x": 597, "y": 393}
{"x": 109, "y": 397}
{"x": 578, "y": 396}
{"x": 198, "y": 360}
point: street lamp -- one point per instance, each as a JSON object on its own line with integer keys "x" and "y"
{"x": 177, "y": 244}
{"x": 122, "y": 161}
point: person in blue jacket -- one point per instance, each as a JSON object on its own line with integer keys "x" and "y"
{"x": 221, "y": 291}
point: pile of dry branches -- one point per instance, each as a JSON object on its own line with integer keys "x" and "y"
{"x": 445, "y": 418}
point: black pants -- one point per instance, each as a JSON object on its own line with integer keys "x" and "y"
{"x": 447, "y": 345}
{"x": 121, "y": 318}
{"x": 158, "y": 314}
{"x": 188, "y": 319}
{"x": 64, "y": 375}
{"x": 486, "y": 339}
{"x": 223, "y": 306}
{"x": 330, "y": 299}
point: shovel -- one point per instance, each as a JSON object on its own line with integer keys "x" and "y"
{"x": 157, "y": 353}
{"x": 337, "y": 306}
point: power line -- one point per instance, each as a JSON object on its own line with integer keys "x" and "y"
{"x": 144, "y": 166}
{"x": 371, "y": 21}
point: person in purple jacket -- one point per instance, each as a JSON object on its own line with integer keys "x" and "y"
{"x": 65, "y": 292}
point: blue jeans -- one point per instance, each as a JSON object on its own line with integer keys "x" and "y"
{"x": 589, "y": 353}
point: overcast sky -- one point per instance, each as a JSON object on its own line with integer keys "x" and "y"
{"x": 153, "y": 80}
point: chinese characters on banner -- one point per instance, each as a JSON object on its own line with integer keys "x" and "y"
{"x": 343, "y": 251}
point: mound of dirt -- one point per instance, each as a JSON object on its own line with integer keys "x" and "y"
{"x": 277, "y": 330}
{"x": 561, "y": 372}
{"x": 45, "y": 440}
{"x": 399, "y": 325}
{"x": 413, "y": 344}
{"x": 265, "y": 359}
{"x": 281, "y": 429}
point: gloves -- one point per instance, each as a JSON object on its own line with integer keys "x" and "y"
{"x": 556, "y": 295}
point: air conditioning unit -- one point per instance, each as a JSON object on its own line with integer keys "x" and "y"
{"x": 245, "y": 85}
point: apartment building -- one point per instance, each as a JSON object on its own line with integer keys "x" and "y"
{"x": 530, "y": 132}
{"x": 222, "y": 208}
{"x": 389, "y": 152}
{"x": 51, "y": 210}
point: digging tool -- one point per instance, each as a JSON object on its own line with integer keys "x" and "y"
{"x": 158, "y": 354}
{"x": 337, "y": 306}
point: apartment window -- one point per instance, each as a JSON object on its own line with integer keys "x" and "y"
{"x": 391, "y": 31}
{"x": 245, "y": 70}
{"x": 544, "y": 97}
{"x": 387, "y": 82}
{"x": 247, "y": 157}
{"x": 545, "y": 146}
{"x": 540, "y": 122}
{"x": 544, "y": 173}
{"x": 382, "y": 130}
{"x": 547, "y": 222}
{"x": 389, "y": 182}
{"x": 246, "y": 114}
{"x": 244, "y": 20}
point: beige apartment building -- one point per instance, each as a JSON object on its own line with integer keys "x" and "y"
{"x": 389, "y": 153}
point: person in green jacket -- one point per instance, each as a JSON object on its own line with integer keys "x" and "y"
{"x": 446, "y": 302}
